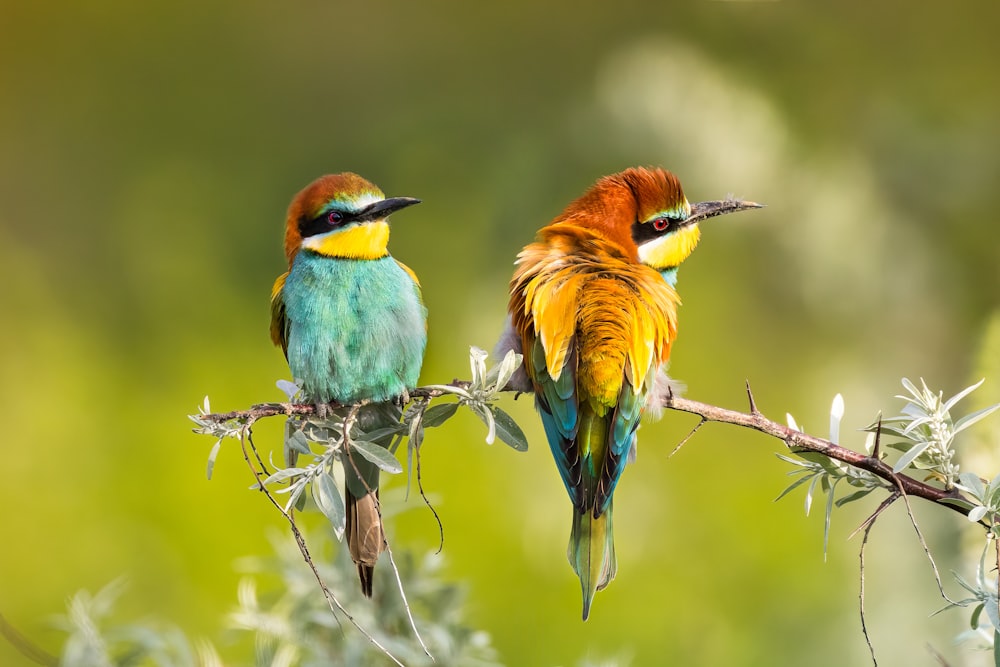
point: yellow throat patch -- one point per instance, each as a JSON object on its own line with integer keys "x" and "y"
{"x": 365, "y": 241}
{"x": 669, "y": 251}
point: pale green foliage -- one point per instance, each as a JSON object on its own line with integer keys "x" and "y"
{"x": 823, "y": 473}
{"x": 291, "y": 623}
{"x": 983, "y": 598}
{"x": 925, "y": 433}
{"x": 324, "y": 440}
{"x": 484, "y": 390}
{"x": 927, "y": 430}
{"x": 94, "y": 641}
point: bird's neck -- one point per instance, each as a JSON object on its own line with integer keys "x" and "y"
{"x": 670, "y": 275}
{"x": 366, "y": 241}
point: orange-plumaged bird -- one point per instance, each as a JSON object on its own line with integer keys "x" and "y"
{"x": 593, "y": 310}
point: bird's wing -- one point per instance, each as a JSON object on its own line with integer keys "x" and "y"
{"x": 652, "y": 328}
{"x": 542, "y": 312}
{"x": 279, "y": 323}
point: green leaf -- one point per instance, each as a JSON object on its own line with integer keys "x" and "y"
{"x": 297, "y": 441}
{"x": 857, "y": 495}
{"x": 378, "y": 455}
{"x": 439, "y": 414}
{"x": 974, "y": 620}
{"x": 380, "y": 434}
{"x": 996, "y": 648}
{"x": 509, "y": 431}
{"x": 330, "y": 502}
{"x": 794, "y": 485}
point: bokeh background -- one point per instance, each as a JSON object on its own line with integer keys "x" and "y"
{"x": 149, "y": 151}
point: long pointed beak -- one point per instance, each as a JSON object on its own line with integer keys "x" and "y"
{"x": 381, "y": 209}
{"x": 704, "y": 210}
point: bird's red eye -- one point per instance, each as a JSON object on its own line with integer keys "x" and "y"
{"x": 335, "y": 217}
{"x": 659, "y": 224}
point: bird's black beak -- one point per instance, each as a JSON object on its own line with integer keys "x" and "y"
{"x": 704, "y": 210}
{"x": 382, "y": 209}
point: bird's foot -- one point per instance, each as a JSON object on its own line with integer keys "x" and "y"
{"x": 322, "y": 411}
{"x": 403, "y": 399}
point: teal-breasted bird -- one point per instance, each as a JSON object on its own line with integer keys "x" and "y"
{"x": 594, "y": 311}
{"x": 351, "y": 322}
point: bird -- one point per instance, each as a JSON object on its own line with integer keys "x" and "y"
{"x": 593, "y": 311}
{"x": 352, "y": 324}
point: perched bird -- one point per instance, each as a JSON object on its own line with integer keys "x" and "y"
{"x": 351, "y": 322}
{"x": 594, "y": 311}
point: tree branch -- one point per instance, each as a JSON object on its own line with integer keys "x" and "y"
{"x": 798, "y": 441}
{"x": 755, "y": 420}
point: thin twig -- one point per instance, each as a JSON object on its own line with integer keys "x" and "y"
{"x": 420, "y": 489}
{"x": 332, "y": 601}
{"x": 406, "y": 603}
{"x": 687, "y": 437}
{"x": 868, "y": 523}
{"x": 25, "y": 646}
{"x": 349, "y": 422}
{"x": 923, "y": 544}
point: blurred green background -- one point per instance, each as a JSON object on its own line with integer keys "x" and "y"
{"x": 149, "y": 151}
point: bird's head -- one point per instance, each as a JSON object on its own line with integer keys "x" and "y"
{"x": 646, "y": 213}
{"x": 341, "y": 215}
{"x": 665, "y": 228}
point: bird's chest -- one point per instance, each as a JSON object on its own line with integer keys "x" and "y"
{"x": 356, "y": 328}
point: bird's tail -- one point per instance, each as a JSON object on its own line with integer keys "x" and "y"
{"x": 365, "y": 535}
{"x": 592, "y": 552}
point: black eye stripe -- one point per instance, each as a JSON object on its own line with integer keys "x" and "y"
{"x": 643, "y": 232}
{"x": 323, "y": 223}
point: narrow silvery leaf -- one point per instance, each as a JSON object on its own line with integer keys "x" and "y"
{"x": 286, "y": 473}
{"x": 296, "y": 494}
{"x": 950, "y": 403}
{"x": 439, "y": 414}
{"x": 908, "y": 458}
{"x": 287, "y": 388}
{"x": 977, "y": 513}
{"x": 211, "y": 457}
{"x": 910, "y": 387}
{"x": 857, "y": 495}
{"x": 829, "y": 514}
{"x": 477, "y": 361}
{"x": 486, "y": 416}
{"x": 451, "y": 389}
{"x": 507, "y": 367}
{"x": 378, "y": 455}
{"x": 379, "y": 434}
{"x": 509, "y": 430}
{"x": 809, "y": 493}
{"x": 206, "y": 407}
{"x": 968, "y": 420}
{"x": 836, "y": 415}
{"x": 970, "y": 481}
{"x": 791, "y": 422}
{"x": 794, "y": 485}
{"x": 869, "y": 442}
{"x": 330, "y": 503}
